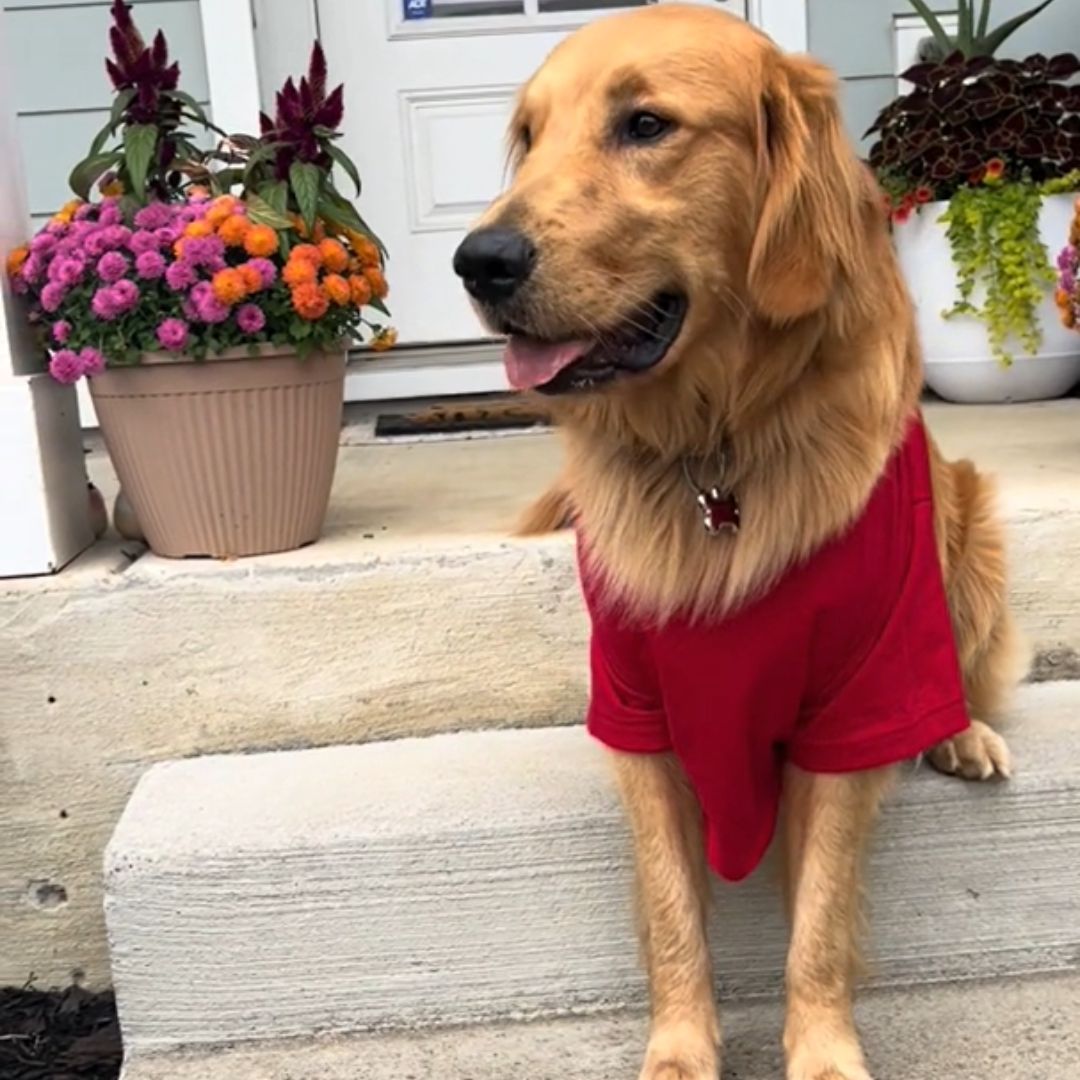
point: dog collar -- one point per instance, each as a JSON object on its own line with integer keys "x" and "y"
{"x": 720, "y": 512}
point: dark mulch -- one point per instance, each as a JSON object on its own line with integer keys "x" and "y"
{"x": 58, "y": 1035}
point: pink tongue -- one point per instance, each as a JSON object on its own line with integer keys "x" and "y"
{"x": 532, "y": 363}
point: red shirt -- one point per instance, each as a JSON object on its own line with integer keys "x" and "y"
{"x": 847, "y": 663}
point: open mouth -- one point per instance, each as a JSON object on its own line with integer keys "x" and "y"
{"x": 631, "y": 347}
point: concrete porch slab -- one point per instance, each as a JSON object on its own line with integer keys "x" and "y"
{"x": 414, "y": 615}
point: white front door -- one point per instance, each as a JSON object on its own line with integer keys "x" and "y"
{"x": 429, "y": 86}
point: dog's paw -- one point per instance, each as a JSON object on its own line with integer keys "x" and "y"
{"x": 681, "y": 1052}
{"x": 979, "y": 753}
{"x": 845, "y": 1064}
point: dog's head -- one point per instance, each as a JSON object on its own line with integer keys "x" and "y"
{"x": 675, "y": 175}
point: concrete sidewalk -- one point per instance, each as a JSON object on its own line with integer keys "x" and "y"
{"x": 1020, "y": 1030}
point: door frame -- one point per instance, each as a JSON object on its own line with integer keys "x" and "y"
{"x": 467, "y": 367}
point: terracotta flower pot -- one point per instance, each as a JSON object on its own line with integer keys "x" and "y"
{"x": 230, "y": 456}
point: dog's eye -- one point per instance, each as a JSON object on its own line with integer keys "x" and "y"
{"x": 645, "y": 127}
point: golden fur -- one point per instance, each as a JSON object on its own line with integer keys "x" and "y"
{"x": 799, "y": 356}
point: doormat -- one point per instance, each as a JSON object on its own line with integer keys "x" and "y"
{"x": 459, "y": 417}
{"x": 58, "y": 1035}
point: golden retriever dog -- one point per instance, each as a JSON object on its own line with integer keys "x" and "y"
{"x": 694, "y": 268}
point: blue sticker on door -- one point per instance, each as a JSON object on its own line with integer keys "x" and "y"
{"x": 418, "y": 9}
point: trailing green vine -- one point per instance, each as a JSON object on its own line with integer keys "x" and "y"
{"x": 1003, "y": 267}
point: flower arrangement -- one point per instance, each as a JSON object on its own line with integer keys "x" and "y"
{"x": 1067, "y": 296}
{"x": 162, "y": 263}
{"x": 994, "y": 138}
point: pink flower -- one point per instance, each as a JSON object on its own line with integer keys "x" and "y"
{"x": 203, "y": 250}
{"x": 61, "y": 331}
{"x": 167, "y": 235}
{"x": 33, "y": 268}
{"x": 92, "y": 361}
{"x": 109, "y": 214}
{"x": 212, "y": 310}
{"x": 180, "y": 275}
{"x": 104, "y": 305}
{"x": 85, "y": 211}
{"x": 267, "y": 271}
{"x": 66, "y": 270}
{"x": 250, "y": 318}
{"x": 143, "y": 241}
{"x": 126, "y": 295}
{"x": 155, "y": 216}
{"x": 43, "y": 243}
{"x": 112, "y": 266}
{"x": 117, "y": 236}
{"x": 96, "y": 243}
{"x": 173, "y": 334}
{"x": 65, "y": 366}
{"x": 150, "y": 265}
{"x": 52, "y": 296}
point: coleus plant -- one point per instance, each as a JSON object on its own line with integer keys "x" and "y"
{"x": 1024, "y": 116}
{"x": 147, "y": 118}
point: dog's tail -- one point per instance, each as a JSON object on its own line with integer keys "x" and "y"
{"x": 550, "y": 513}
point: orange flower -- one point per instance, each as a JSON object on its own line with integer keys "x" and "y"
{"x": 310, "y": 300}
{"x": 261, "y": 240}
{"x": 364, "y": 249}
{"x": 299, "y": 272}
{"x": 16, "y": 258}
{"x": 361, "y": 290}
{"x": 377, "y": 281}
{"x": 302, "y": 230}
{"x": 229, "y": 286}
{"x": 995, "y": 170}
{"x": 337, "y": 288}
{"x": 334, "y": 255}
{"x": 221, "y": 209}
{"x": 385, "y": 339}
{"x": 924, "y": 195}
{"x": 202, "y": 227}
{"x": 253, "y": 281}
{"x": 308, "y": 252}
{"x": 234, "y": 229}
{"x": 178, "y": 248}
{"x": 112, "y": 190}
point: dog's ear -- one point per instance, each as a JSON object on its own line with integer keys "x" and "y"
{"x": 813, "y": 213}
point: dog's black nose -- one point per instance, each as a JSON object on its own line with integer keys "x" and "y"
{"x": 494, "y": 263}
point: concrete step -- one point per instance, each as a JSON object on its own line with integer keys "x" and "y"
{"x": 1008, "y": 1030}
{"x": 483, "y": 877}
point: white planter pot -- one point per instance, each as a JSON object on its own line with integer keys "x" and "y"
{"x": 959, "y": 363}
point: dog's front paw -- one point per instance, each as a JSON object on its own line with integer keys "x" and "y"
{"x": 681, "y": 1052}
{"x": 979, "y": 753}
{"x": 839, "y": 1062}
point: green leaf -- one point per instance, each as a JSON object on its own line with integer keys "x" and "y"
{"x": 945, "y": 43}
{"x": 100, "y": 139}
{"x": 342, "y": 213}
{"x": 225, "y": 179}
{"x": 90, "y": 169}
{"x": 276, "y": 193}
{"x": 984, "y": 19}
{"x": 964, "y": 18}
{"x": 140, "y": 142}
{"x": 122, "y": 101}
{"x": 193, "y": 106}
{"x": 994, "y": 41}
{"x": 379, "y": 306}
{"x": 262, "y": 213}
{"x": 305, "y": 180}
{"x": 346, "y": 164}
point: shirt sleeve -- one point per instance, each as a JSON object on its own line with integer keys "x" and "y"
{"x": 626, "y": 710}
{"x": 906, "y": 693}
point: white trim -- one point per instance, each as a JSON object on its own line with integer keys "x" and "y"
{"x": 231, "y": 69}
{"x": 787, "y": 22}
{"x": 450, "y": 370}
